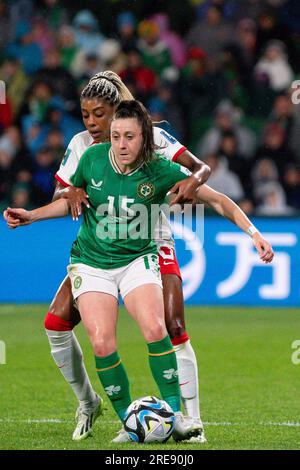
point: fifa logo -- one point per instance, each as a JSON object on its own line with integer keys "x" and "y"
{"x": 2, "y": 353}
{"x": 2, "y": 92}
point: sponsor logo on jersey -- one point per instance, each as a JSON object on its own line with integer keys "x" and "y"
{"x": 96, "y": 185}
{"x": 169, "y": 373}
{"x": 169, "y": 137}
{"x": 77, "y": 282}
{"x": 146, "y": 190}
{"x": 113, "y": 390}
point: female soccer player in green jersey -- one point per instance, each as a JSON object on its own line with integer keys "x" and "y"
{"x": 108, "y": 258}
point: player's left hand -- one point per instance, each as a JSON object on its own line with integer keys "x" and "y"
{"x": 263, "y": 247}
{"x": 185, "y": 191}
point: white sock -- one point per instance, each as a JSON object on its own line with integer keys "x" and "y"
{"x": 67, "y": 354}
{"x": 188, "y": 378}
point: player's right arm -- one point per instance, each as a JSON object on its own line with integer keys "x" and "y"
{"x": 18, "y": 217}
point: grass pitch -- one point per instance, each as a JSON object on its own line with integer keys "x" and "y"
{"x": 250, "y": 389}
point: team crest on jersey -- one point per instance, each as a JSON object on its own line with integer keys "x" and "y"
{"x": 145, "y": 190}
{"x": 77, "y": 282}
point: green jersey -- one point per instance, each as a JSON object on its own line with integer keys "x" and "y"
{"x": 118, "y": 226}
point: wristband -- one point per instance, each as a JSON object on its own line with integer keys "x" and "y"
{"x": 251, "y": 230}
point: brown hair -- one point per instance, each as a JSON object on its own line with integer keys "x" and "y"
{"x": 135, "y": 109}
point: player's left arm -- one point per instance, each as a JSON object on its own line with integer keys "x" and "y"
{"x": 229, "y": 209}
{"x": 186, "y": 189}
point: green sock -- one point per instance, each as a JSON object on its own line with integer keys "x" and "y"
{"x": 113, "y": 377}
{"x": 163, "y": 364}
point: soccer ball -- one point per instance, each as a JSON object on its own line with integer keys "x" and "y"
{"x": 149, "y": 419}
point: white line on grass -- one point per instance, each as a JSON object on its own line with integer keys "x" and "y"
{"x": 208, "y": 423}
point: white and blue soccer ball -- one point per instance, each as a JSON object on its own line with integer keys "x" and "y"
{"x": 149, "y": 419}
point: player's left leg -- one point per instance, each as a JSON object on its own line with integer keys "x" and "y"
{"x": 149, "y": 315}
{"x": 185, "y": 355}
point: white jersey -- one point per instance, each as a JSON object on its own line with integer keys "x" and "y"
{"x": 168, "y": 147}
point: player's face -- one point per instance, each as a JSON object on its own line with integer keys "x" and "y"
{"x": 126, "y": 140}
{"x": 97, "y": 115}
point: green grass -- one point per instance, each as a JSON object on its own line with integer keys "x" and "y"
{"x": 249, "y": 386}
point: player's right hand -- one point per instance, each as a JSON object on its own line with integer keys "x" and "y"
{"x": 17, "y": 217}
{"x": 76, "y": 197}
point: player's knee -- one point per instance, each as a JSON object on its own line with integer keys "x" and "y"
{"x": 103, "y": 347}
{"x": 156, "y": 332}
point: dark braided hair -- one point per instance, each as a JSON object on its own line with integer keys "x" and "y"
{"x": 108, "y": 86}
{"x": 135, "y": 109}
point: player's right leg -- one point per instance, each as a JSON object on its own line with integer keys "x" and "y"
{"x": 67, "y": 354}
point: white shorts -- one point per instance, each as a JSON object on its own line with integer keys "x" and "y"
{"x": 143, "y": 270}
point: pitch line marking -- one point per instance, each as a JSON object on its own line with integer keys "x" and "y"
{"x": 206, "y": 423}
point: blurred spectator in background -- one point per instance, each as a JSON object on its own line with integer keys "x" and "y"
{"x": 222, "y": 179}
{"x": 21, "y": 10}
{"x": 291, "y": 183}
{"x": 263, "y": 172}
{"x": 112, "y": 56}
{"x": 155, "y": 53}
{"x": 274, "y": 201}
{"x": 67, "y": 46}
{"x": 141, "y": 78}
{"x": 235, "y": 161}
{"x": 55, "y": 13}
{"x": 212, "y": 33}
{"x": 12, "y": 73}
{"x": 85, "y": 65}
{"x": 42, "y": 34}
{"x": 274, "y": 148}
{"x": 6, "y": 115}
{"x": 249, "y": 9}
{"x": 44, "y": 169}
{"x": 173, "y": 41}
{"x": 87, "y": 33}
{"x": 6, "y": 173}
{"x": 6, "y": 25}
{"x": 55, "y": 143}
{"x": 228, "y": 8}
{"x": 236, "y": 77}
{"x": 25, "y": 49}
{"x": 126, "y": 31}
{"x": 245, "y": 42}
{"x": 275, "y": 67}
{"x": 267, "y": 190}
{"x": 60, "y": 79}
{"x": 269, "y": 28}
{"x": 13, "y": 160}
{"x": 21, "y": 196}
{"x": 227, "y": 119}
{"x": 166, "y": 105}
{"x": 201, "y": 87}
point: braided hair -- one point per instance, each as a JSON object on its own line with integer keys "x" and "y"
{"x": 108, "y": 86}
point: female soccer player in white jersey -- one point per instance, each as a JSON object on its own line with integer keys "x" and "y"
{"x": 98, "y": 102}
{"x": 105, "y": 263}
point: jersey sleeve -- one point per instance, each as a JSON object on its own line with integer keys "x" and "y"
{"x": 69, "y": 164}
{"x": 78, "y": 179}
{"x": 166, "y": 145}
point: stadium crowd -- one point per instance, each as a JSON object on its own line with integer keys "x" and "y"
{"x": 219, "y": 72}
